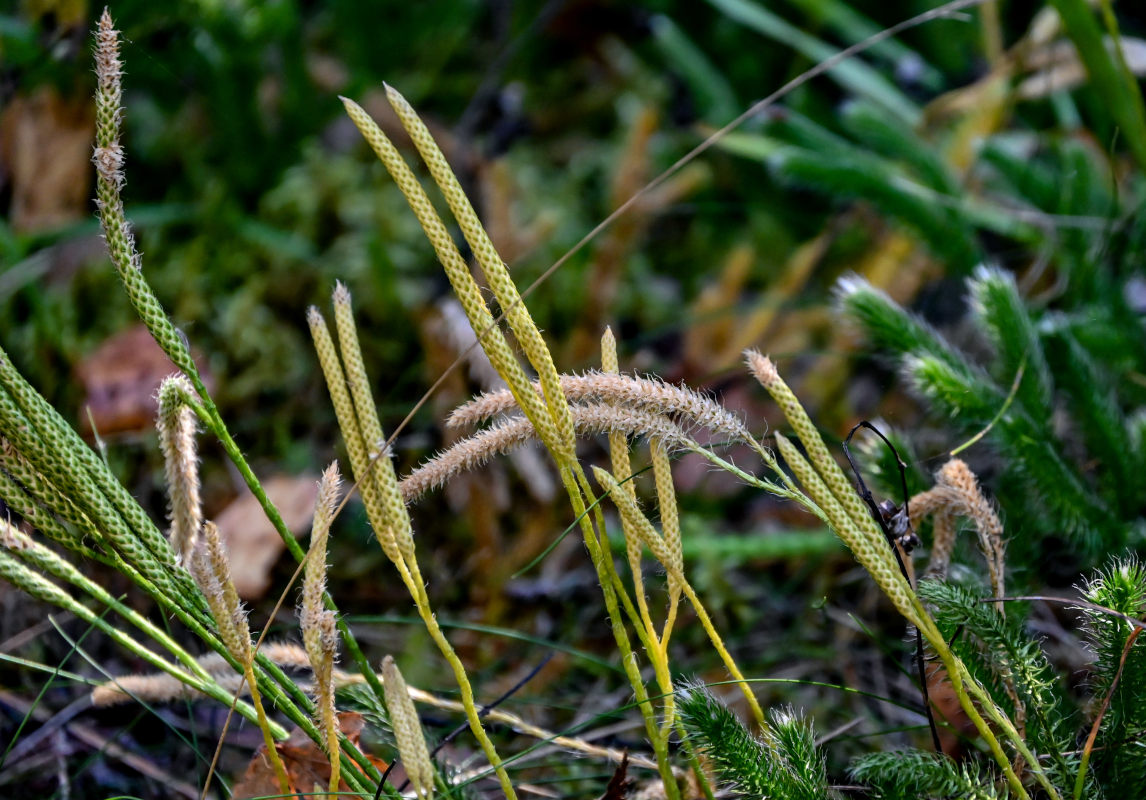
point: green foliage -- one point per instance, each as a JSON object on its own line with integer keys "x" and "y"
{"x": 880, "y": 181}
{"x": 895, "y": 170}
{"x": 1046, "y": 487}
{"x": 889, "y": 329}
{"x": 265, "y": 206}
{"x": 1112, "y": 79}
{"x": 920, "y": 158}
{"x": 1011, "y": 665}
{"x": 854, "y": 75}
{"x": 1091, "y": 396}
{"x": 1119, "y": 759}
{"x": 997, "y": 304}
{"x": 911, "y": 774}
{"x": 1085, "y": 226}
{"x": 783, "y": 762}
{"x": 1010, "y": 662}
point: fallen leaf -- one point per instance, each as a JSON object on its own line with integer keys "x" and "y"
{"x": 619, "y": 784}
{"x": 960, "y": 728}
{"x": 306, "y": 764}
{"x": 47, "y": 154}
{"x": 253, "y": 545}
{"x": 121, "y": 378}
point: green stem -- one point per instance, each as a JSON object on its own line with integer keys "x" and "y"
{"x": 413, "y": 578}
{"x": 955, "y": 678}
{"x": 265, "y": 727}
{"x": 209, "y": 415}
{"x": 571, "y": 476}
{"x": 49, "y": 562}
{"x": 274, "y": 681}
{"x": 788, "y": 490}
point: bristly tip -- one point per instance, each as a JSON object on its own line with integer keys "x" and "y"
{"x": 330, "y": 475}
{"x": 761, "y": 367}
{"x": 848, "y": 285}
{"x": 341, "y": 293}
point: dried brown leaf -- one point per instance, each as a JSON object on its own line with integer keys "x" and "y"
{"x": 306, "y": 764}
{"x": 121, "y": 378}
{"x": 253, "y": 545}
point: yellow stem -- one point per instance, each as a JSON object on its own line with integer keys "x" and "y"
{"x": 955, "y": 676}
{"x": 670, "y": 620}
{"x": 412, "y": 577}
{"x": 332, "y": 751}
{"x": 664, "y": 681}
{"x": 966, "y": 682}
{"x": 573, "y": 478}
{"x": 718, "y": 643}
{"x": 264, "y": 726}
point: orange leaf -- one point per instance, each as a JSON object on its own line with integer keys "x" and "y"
{"x": 306, "y": 764}
{"x": 253, "y": 545}
{"x": 121, "y": 378}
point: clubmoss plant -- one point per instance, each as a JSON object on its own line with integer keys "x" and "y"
{"x": 211, "y": 568}
{"x": 1113, "y": 751}
{"x": 913, "y": 773}
{"x": 852, "y": 522}
{"x": 176, "y": 426}
{"x": 408, "y": 731}
{"x": 1005, "y": 658}
{"x": 662, "y": 552}
{"x": 1010, "y": 662}
{"x": 316, "y": 622}
{"x": 622, "y": 473}
{"x": 1003, "y": 682}
{"x": 783, "y": 761}
{"x": 1013, "y": 668}
{"x": 26, "y": 563}
{"x": 385, "y": 505}
{"x": 552, "y": 419}
{"x": 1044, "y": 487}
{"x": 53, "y": 478}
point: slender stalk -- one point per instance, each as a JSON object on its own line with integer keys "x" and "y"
{"x": 380, "y": 492}
{"x": 416, "y": 586}
{"x": 39, "y": 587}
{"x": 956, "y": 672}
{"x": 264, "y": 724}
{"x": 623, "y": 471}
{"x": 831, "y": 491}
{"x": 47, "y": 561}
{"x": 660, "y": 550}
{"x": 603, "y": 564}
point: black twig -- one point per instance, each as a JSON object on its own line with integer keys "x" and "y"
{"x": 895, "y": 522}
